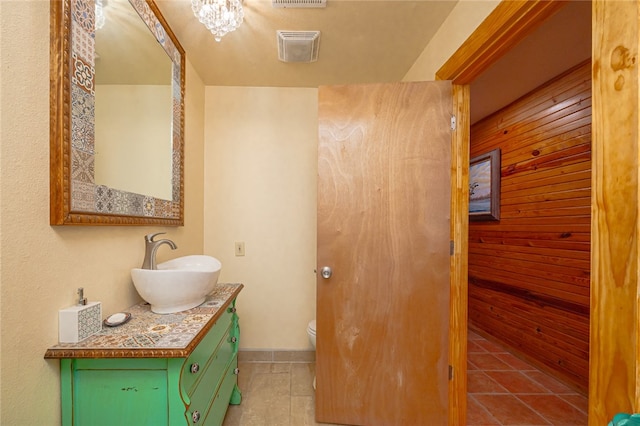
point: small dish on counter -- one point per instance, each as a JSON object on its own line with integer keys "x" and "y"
{"x": 117, "y": 319}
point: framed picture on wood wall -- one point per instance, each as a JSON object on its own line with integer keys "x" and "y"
{"x": 484, "y": 186}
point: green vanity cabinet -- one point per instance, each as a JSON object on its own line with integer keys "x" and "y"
{"x": 154, "y": 386}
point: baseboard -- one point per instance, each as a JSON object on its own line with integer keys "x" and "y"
{"x": 258, "y": 355}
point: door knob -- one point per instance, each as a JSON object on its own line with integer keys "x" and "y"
{"x": 326, "y": 272}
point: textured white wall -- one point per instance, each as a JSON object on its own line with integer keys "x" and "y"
{"x": 261, "y": 168}
{"x": 42, "y": 266}
{"x": 461, "y": 22}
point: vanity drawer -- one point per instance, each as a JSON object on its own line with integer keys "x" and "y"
{"x": 195, "y": 366}
{"x": 211, "y": 379}
{"x": 216, "y": 412}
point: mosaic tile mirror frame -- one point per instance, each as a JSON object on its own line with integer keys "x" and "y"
{"x": 76, "y": 198}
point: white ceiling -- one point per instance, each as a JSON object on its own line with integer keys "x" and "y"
{"x": 564, "y": 40}
{"x": 360, "y": 42}
{"x": 367, "y": 41}
{"x": 126, "y": 52}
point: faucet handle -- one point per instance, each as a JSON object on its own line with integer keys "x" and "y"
{"x": 149, "y": 237}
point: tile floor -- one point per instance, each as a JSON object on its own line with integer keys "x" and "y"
{"x": 502, "y": 390}
{"x": 274, "y": 394}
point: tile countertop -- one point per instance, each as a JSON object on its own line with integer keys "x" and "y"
{"x": 150, "y": 335}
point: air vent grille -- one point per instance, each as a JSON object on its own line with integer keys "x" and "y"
{"x": 298, "y": 46}
{"x": 299, "y": 3}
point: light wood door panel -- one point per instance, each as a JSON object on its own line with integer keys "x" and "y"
{"x": 383, "y": 228}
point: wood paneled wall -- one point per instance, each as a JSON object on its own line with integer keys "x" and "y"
{"x": 529, "y": 272}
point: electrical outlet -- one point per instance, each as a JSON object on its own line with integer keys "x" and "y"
{"x": 240, "y": 248}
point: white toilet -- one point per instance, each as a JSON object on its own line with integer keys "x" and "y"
{"x": 311, "y": 331}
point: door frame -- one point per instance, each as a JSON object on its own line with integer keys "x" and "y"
{"x": 614, "y": 368}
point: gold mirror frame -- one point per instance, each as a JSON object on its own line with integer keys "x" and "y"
{"x": 75, "y": 198}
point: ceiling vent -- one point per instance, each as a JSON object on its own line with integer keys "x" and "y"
{"x": 298, "y": 46}
{"x": 299, "y": 3}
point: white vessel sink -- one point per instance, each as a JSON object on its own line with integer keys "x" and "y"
{"x": 178, "y": 284}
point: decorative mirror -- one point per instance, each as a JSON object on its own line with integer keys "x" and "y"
{"x": 117, "y": 115}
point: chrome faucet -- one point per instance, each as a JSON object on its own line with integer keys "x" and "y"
{"x": 151, "y": 247}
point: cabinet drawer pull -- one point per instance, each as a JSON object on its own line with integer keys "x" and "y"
{"x": 236, "y": 371}
{"x": 195, "y": 367}
{"x": 195, "y": 416}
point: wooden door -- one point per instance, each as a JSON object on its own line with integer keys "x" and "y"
{"x": 383, "y": 228}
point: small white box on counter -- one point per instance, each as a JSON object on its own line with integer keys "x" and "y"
{"x": 79, "y": 322}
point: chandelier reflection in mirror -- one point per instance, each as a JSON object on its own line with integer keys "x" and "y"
{"x": 219, "y": 16}
{"x": 100, "y": 19}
